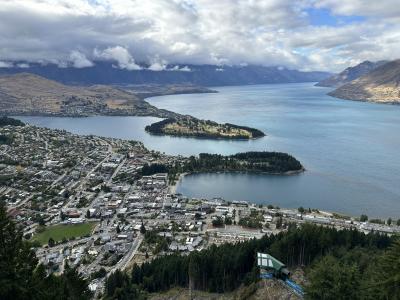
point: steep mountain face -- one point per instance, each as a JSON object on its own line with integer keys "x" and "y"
{"x": 204, "y": 75}
{"x": 350, "y": 74}
{"x": 380, "y": 85}
{"x": 26, "y": 93}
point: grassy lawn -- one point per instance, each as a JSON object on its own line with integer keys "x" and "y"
{"x": 58, "y": 232}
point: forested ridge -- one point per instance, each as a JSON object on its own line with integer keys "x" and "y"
{"x": 267, "y": 162}
{"x": 157, "y": 127}
{"x": 340, "y": 264}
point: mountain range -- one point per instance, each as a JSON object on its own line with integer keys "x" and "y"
{"x": 350, "y": 74}
{"x": 203, "y": 75}
{"x": 106, "y": 89}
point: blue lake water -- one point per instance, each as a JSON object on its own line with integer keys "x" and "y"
{"x": 350, "y": 149}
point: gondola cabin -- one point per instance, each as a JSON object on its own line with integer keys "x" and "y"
{"x": 271, "y": 267}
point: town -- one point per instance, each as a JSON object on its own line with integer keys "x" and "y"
{"x": 86, "y": 202}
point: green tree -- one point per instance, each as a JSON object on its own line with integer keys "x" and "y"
{"x": 331, "y": 280}
{"x": 51, "y": 242}
{"x": 118, "y": 286}
{"x": 99, "y": 274}
{"x": 62, "y": 216}
{"x": 228, "y": 221}
{"x": 17, "y": 261}
{"x": 74, "y": 286}
{"x": 22, "y": 278}
{"x": 385, "y": 283}
{"x": 142, "y": 229}
{"x": 279, "y": 223}
{"x": 41, "y": 221}
{"x": 217, "y": 222}
{"x": 363, "y": 218}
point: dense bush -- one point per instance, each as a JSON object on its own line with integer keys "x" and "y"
{"x": 4, "y": 121}
{"x": 154, "y": 169}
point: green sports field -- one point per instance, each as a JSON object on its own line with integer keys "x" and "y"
{"x": 58, "y": 232}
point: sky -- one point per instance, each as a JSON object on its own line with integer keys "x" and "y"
{"x": 325, "y": 35}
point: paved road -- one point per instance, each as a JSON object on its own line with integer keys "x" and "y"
{"x": 83, "y": 181}
{"x": 131, "y": 254}
{"x": 23, "y": 202}
{"x": 124, "y": 262}
{"x": 116, "y": 171}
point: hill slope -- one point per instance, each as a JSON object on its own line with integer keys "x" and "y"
{"x": 26, "y": 93}
{"x": 380, "y": 85}
{"x": 350, "y": 74}
{"x": 29, "y": 94}
{"x": 204, "y": 75}
{"x": 263, "y": 290}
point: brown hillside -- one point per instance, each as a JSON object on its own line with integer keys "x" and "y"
{"x": 27, "y": 93}
{"x": 380, "y": 85}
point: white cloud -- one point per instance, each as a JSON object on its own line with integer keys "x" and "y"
{"x": 23, "y": 65}
{"x": 79, "y": 60}
{"x": 182, "y": 69}
{"x": 119, "y": 54}
{"x": 6, "y": 64}
{"x": 157, "y": 64}
{"x": 132, "y": 32}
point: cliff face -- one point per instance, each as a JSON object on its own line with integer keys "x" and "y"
{"x": 380, "y": 85}
{"x": 350, "y": 74}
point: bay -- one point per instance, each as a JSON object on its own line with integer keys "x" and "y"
{"x": 350, "y": 149}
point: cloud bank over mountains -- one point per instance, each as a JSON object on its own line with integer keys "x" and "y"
{"x": 306, "y": 34}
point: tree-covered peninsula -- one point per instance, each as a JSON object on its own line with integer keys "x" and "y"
{"x": 4, "y": 121}
{"x": 191, "y": 127}
{"x": 260, "y": 162}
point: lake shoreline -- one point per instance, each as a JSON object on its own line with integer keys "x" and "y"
{"x": 172, "y": 187}
{"x": 207, "y": 138}
{"x": 336, "y": 140}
